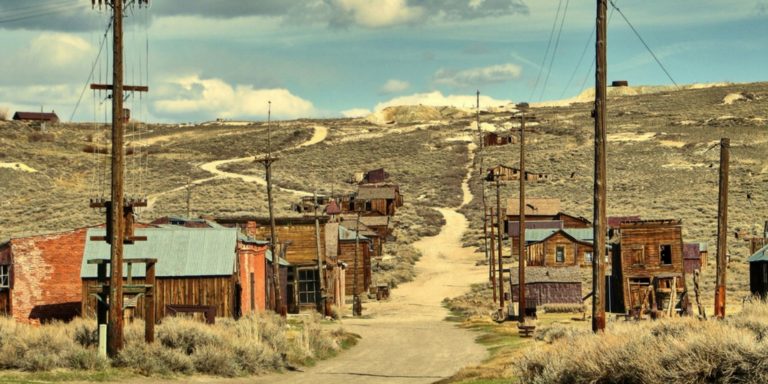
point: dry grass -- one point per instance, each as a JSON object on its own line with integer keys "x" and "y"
{"x": 682, "y": 350}
{"x": 248, "y": 346}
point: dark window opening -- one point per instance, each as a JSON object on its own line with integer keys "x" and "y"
{"x": 665, "y": 254}
{"x": 308, "y": 286}
{"x": 560, "y": 254}
{"x": 5, "y": 280}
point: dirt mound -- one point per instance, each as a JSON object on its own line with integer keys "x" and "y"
{"x": 588, "y": 94}
{"x": 409, "y": 114}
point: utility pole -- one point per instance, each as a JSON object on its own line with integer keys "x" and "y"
{"x": 492, "y": 263}
{"x": 189, "y": 197}
{"x": 499, "y": 245}
{"x": 279, "y": 306}
{"x": 722, "y": 229}
{"x": 481, "y": 144}
{"x": 323, "y": 295}
{"x": 521, "y": 244}
{"x": 357, "y": 305}
{"x": 598, "y": 262}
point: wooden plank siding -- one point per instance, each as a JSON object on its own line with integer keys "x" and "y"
{"x": 303, "y": 248}
{"x": 218, "y": 291}
{"x": 545, "y": 253}
{"x": 363, "y": 271}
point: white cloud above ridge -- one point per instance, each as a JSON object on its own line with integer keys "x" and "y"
{"x": 493, "y": 74}
{"x": 214, "y": 98}
{"x": 394, "y": 86}
{"x": 437, "y": 99}
{"x": 356, "y": 112}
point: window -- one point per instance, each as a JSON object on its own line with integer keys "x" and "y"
{"x": 560, "y": 254}
{"x": 5, "y": 281}
{"x": 588, "y": 257}
{"x": 308, "y": 286}
{"x": 665, "y": 254}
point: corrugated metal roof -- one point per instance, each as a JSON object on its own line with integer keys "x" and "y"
{"x": 282, "y": 261}
{"x": 179, "y": 251}
{"x": 346, "y": 234}
{"x": 536, "y": 235}
{"x": 760, "y": 255}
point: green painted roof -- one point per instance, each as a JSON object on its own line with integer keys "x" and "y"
{"x": 179, "y": 251}
{"x": 760, "y": 255}
{"x": 348, "y": 234}
{"x": 536, "y": 235}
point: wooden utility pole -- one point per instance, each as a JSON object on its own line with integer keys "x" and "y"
{"x": 492, "y": 263}
{"x": 357, "y": 305}
{"x": 278, "y": 305}
{"x": 722, "y": 229}
{"x": 598, "y": 262}
{"x": 521, "y": 246}
{"x": 499, "y": 245}
{"x": 189, "y": 197}
{"x": 323, "y": 294}
{"x": 481, "y": 144}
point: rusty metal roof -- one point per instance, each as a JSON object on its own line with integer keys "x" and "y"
{"x": 534, "y": 207}
{"x": 615, "y": 221}
{"x": 41, "y": 116}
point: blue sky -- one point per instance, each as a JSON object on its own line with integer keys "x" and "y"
{"x": 329, "y": 58}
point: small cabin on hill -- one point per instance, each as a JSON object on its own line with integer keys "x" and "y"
{"x": 545, "y": 285}
{"x": 758, "y": 273}
{"x": 648, "y": 267}
{"x": 491, "y": 139}
{"x": 558, "y": 248}
{"x": 375, "y": 176}
{"x": 43, "y": 117}
{"x": 40, "y": 276}
{"x": 216, "y": 268}
{"x": 378, "y": 199}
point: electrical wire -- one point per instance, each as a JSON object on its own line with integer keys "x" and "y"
{"x": 43, "y": 11}
{"x": 546, "y": 51}
{"x": 93, "y": 68}
{"x": 644, "y": 43}
{"x": 554, "y": 51}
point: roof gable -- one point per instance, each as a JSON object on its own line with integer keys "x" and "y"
{"x": 760, "y": 255}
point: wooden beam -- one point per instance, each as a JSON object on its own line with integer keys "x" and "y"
{"x": 126, "y": 88}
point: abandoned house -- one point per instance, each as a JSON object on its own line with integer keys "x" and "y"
{"x": 565, "y": 247}
{"x": 208, "y": 269}
{"x": 694, "y": 257}
{"x": 39, "y": 276}
{"x": 44, "y": 117}
{"x": 377, "y": 244}
{"x": 547, "y": 286}
{"x": 373, "y": 176}
{"x": 354, "y": 245}
{"x": 382, "y": 200}
{"x": 305, "y": 243}
{"x": 647, "y": 272}
{"x": 308, "y": 204}
{"x": 539, "y": 214}
{"x": 758, "y": 273}
{"x": 379, "y": 224}
{"x": 493, "y": 139}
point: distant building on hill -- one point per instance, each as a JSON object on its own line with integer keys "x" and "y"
{"x": 46, "y": 117}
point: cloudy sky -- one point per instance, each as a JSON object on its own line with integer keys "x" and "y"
{"x": 208, "y": 59}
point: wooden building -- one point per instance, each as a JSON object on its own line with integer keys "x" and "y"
{"x": 539, "y": 214}
{"x": 377, "y": 243}
{"x": 378, "y": 199}
{"x": 505, "y": 173}
{"x": 648, "y": 269}
{"x": 694, "y": 257}
{"x": 44, "y": 117}
{"x": 379, "y": 224}
{"x": 758, "y": 273}
{"x": 375, "y": 176}
{"x": 348, "y": 241}
{"x": 39, "y": 276}
{"x": 547, "y": 286}
{"x": 559, "y": 248}
{"x": 491, "y": 139}
{"x": 196, "y": 268}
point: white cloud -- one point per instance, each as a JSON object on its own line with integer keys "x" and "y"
{"x": 48, "y": 58}
{"x": 437, "y": 99}
{"x": 377, "y": 13}
{"x": 356, "y": 112}
{"x": 216, "y": 98}
{"x": 478, "y": 76}
{"x": 394, "y": 86}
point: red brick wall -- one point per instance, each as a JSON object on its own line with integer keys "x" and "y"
{"x": 47, "y": 282}
{"x": 252, "y": 259}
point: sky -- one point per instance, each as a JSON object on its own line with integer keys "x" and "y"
{"x": 209, "y": 59}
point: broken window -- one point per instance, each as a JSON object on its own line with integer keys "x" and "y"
{"x": 665, "y": 254}
{"x": 560, "y": 254}
{"x": 5, "y": 281}
{"x": 308, "y": 284}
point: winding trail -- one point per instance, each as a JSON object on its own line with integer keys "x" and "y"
{"x": 319, "y": 135}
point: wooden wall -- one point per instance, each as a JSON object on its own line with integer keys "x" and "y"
{"x": 303, "y": 248}
{"x": 218, "y": 291}
{"x": 363, "y": 271}
{"x": 544, "y": 253}
{"x": 549, "y": 293}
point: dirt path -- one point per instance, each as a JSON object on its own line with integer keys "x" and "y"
{"x": 319, "y": 135}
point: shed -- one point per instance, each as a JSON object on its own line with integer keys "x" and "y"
{"x": 758, "y": 273}
{"x": 548, "y": 285}
{"x": 375, "y": 176}
{"x": 379, "y": 199}
{"x": 493, "y": 139}
{"x": 195, "y": 266}
{"x": 47, "y": 117}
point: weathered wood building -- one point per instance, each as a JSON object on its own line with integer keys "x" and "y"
{"x": 39, "y": 276}
{"x": 216, "y": 268}
{"x": 547, "y": 286}
{"x": 539, "y": 214}
{"x": 559, "y": 248}
{"x": 694, "y": 257}
{"x": 491, "y": 139}
{"x": 758, "y": 273}
{"x": 648, "y": 269}
{"x": 349, "y": 241}
{"x": 378, "y": 199}
{"x": 44, "y": 117}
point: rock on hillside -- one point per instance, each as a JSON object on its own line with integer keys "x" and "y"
{"x": 409, "y": 114}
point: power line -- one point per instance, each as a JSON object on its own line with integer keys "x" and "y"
{"x": 93, "y": 68}
{"x": 578, "y": 65}
{"x": 644, "y": 43}
{"x": 34, "y": 13}
{"x": 546, "y": 52}
{"x": 554, "y": 51}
